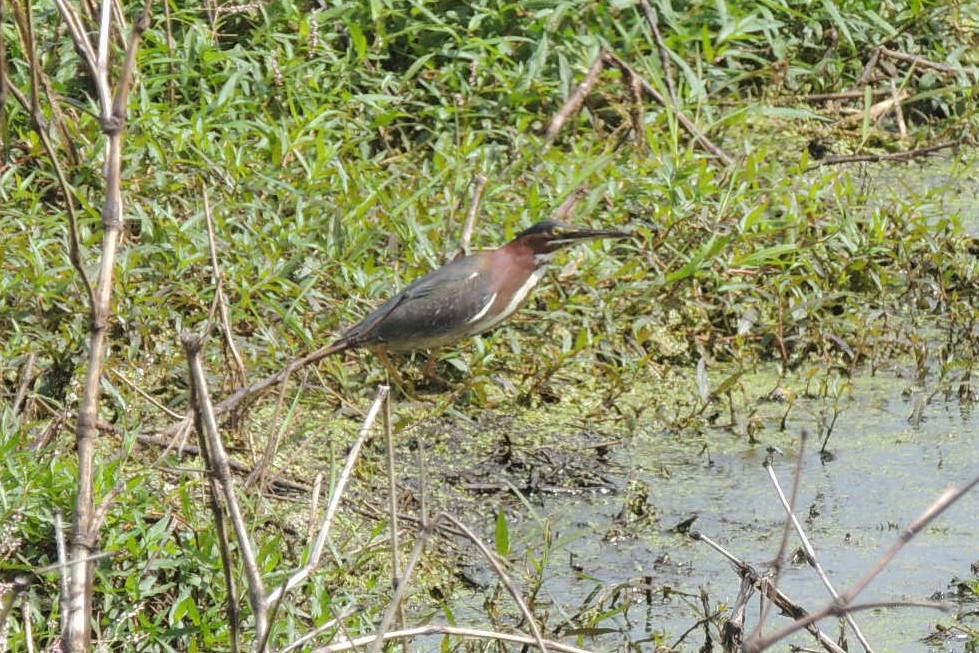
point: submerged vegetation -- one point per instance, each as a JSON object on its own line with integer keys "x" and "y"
{"x": 336, "y": 150}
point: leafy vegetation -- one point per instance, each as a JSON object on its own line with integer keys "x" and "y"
{"x": 337, "y": 146}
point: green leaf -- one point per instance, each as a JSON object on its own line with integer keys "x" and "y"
{"x": 707, "y": 252}
{"x": 765, "y": 256}
{"x": 502, "y": 534}
{"x": 357, "y": 38}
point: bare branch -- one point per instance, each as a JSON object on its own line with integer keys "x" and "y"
{"x": 664, "y": 53}
{"x": 842, "y": 605}
{"x": 33, "y": 107}
{"x": 811, "y": 555}
{"x": 78, "y": 34}
{"x": 892, "y": 156}
{"x": 770, "y": 592}
{"x": 320, "y": 544}
{"x": 577, "y": 99}
{"x": 4, "y": 83}
{"x": 779, "y": 563}
{"x": 921, "y": 62}
{"x": 28, "y": 373}
{"x": 305, "y": 639}
{"x": 479, "y": 185}
{"x": 76, "y": 634}
{"x": 223, "y": 484}
{"x": 687, "y": 124}
{"x": 220, "y": 300}
{"x": 392, "y": 497}
{"x": 433, "y": 629}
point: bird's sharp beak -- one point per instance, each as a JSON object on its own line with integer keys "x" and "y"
{"x": 574, "y": 235}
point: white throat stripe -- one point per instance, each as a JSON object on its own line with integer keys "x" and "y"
{"x": 483, "y": 311}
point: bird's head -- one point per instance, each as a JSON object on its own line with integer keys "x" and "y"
{"x": 549, "y": 236}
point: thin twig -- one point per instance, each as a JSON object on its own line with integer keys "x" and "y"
{"x": 843, "y": 95}
{"x": 577, "y": 99}
{"x": 314, "y": 504}
{"x": 220, "y": 470}
{"x": 899, "y": 97}
{"x": 636, "y": 113}
{"x": 479, "y": 186}
{"x": 217, "y": 510}
{"x": 279, "y": 482}
{"x": 664, "y": 53}
{"x": 921, "y": 62}
{"x": 260, "y": 472}
{"x": 320, "y": 544}
{"x": 305, "y": 639}
{"x": 892, "y": 156}
{"x": 504, "y": 577}
{"x": 393, "y": 502}
{"x": 783, "y": 546}
{"x": 27, "y": 376}
{"x": 876, "y": 111}
{"x": 239, "y": 375}
{"x": 4, "y": 75}
{"x": 868, "y": 70}
{"x": 79, "y": 35}
{"x": 562, "y": 212}
{"x": 145, "y": 395}
{"x": 257, "y": 387}
{"x": 275, "y": 599}
{"x": 684, "y": 121}
{"x": 811, "y": 555}
{"x": 57, "y": 566}
{"x": 433, "y": 629}
{"x": 842, "y": 605}
{"x": 770, "y": 591}
{"x": 25, "y": 18}
{"x": 422, "y": 483}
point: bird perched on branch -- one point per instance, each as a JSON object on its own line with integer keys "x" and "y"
{"x": 467, "y": 296}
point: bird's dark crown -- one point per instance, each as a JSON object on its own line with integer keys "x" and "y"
{"x": 550, "y": 235}
{"x": 550, "y": 228}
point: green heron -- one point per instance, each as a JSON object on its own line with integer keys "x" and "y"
{"x": 467, "y": 296}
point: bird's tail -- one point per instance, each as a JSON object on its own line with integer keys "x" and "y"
{"x": 337, "y": 346}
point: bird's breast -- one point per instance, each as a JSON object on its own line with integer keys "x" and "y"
{"x": 505, "y": 301}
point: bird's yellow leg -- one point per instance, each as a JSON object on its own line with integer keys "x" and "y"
{"x": 431, "y": 374}
{"x": 393, "y": 375}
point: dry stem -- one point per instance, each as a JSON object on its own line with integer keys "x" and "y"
{"x": 843, "y": 604}
{"x": 223, "y": 485}
{"x": 220, "y": 301}
{"x": 811, "y": 554}
{"x": 77, "y": 627}
{"x": 479, "y": 186}
{"x": 892, "y": 156}
{"x": 432, "y": 629}
{"x": 320, "y": 544}
{"x": 786, "y": 529}
{"x": 664, "y": 53}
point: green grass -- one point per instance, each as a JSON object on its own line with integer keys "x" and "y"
{"x": 338, "y": 148}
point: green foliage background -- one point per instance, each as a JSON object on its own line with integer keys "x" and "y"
{"x": 337, "y": 145}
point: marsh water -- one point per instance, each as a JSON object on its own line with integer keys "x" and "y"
{"x": 883, "y": 474}
{"x": 896, "y": 445}
{"x": 893, "y": 453}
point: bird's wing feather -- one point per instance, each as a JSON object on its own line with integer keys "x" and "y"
{"x": 453, "y": 282}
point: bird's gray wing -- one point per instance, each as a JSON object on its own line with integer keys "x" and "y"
{"x": 430, "y": 306}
